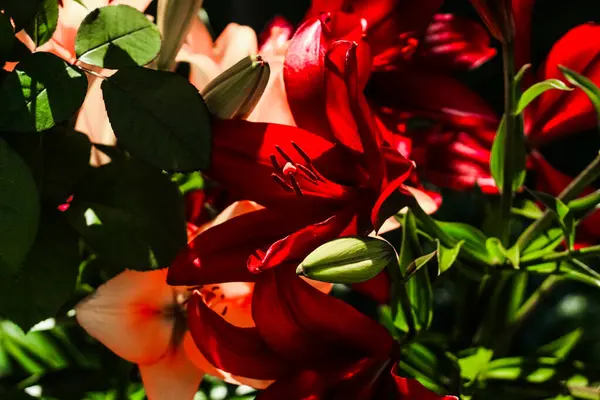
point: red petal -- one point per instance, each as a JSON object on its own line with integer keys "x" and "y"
{"x": 412, "y": 389}
{"x": 219, "y": 254}
{"x": 377, "y": 288}
{"x": 294, "y": 247}
{"x": 453, "y": 42}
{"x": 522, "y": 10}
{"x": 239, "y": 351}
{"x": 393, "y": 198}
{"x": 558, "y": 113}
{"x": 307, "y": 326}
{"x": 241, "y": 161}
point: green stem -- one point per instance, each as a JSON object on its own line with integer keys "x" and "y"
{"x": 510, "y": 122}
{"x": 577, "y": 185}
{"x": 562, "y": 255}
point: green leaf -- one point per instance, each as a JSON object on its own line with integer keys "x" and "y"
{"x": 65, "y": 161}
{"x": 519, "y": 368}
{"x": 496, "y": 248}
{"x": 544, "y": 243}
{"x": 474, "y": 239}
{"x": 584, "y": 204}
{"x": 7, "y": 38}
{"x": 561, "y": 347}
{"x": 130, "y": 214}
{"x": 159, "y": 117}
{"x": 436, "y": 369}
{"x": 528, "y": 209}
{"x": 585, "y": 84}
{"x": 519, "y": 75}
{"x": 43, "y": 24}
{"x": 537, "y": 89}
{"x": 417, "y": 264}
{"x": 19, "y": 210}
{"x": 474, "y": 361}
{"x": 117, "y": 37}
{"x": 42, "y": 91}
{"x": 563, "y": 214}
{"x": 446, "y": 256}
{"x": 21, "y": 11}
{"x": 568, "y": 269}
{"x": 516, "y": 159}
{"x": 47, "y": 277}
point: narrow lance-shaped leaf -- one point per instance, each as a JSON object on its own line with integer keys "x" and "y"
{"x": 564, "y": 215}
{"x": 537, "y": 89}
{"x": 585, "y": 84}
{"x": 117, "y": 37}
{"x": 446, "y": 256}
{"x": 515, "y": 160}
{"x": 160, "y": 117}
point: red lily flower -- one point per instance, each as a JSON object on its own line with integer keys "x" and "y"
{"x": 458, "y": 114}
{"x": 498, "y": 16}
{"x": 314, "y": 345}
{"x": 313, "y": 188}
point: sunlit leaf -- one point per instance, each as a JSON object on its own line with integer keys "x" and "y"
{"x": 117, "y": 37}
{"x": 43, "y": 24}
{"x": 515, "y": 160}
{"x": 537, "y": 89}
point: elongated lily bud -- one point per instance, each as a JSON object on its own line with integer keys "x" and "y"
{"x": 235, "y": 92}
{"x": 347, "y": 260}
{"x": 174, "y": 18}
{"x": 498, "y": 16}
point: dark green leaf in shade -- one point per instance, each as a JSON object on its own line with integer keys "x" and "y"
{"x": 435, "y": 368}
{"x": 43, "y": 24}
{"x": 515, "y": 160}
{"x": 7, "y": 38}
{"x": 65, "y": 160}
{"x": 474, "y": 239}
{"x": 117, "y": 37}
{"x": 130, "y": 214}
{"x": 19, "y": 210}
{"x": 417, "y": 264}
{"x": 42, "y": 91}
{"x": 21, "y": 11}
{"x": 561, "y": 347}
{"x": 585, "y": 84}
{"x": 527, "y": 209}
{"x": 159, "y": 117}
{"x": 519, "y": 75}
{"x": 47, "y": 277}
{"x": 563, "y": 214}
{"x": 538, "y": 89}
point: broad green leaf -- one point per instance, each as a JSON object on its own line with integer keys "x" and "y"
{"x": 47, "y": 277}
{"x": 19, "y": 210}
{"x": 7, "y": 38}
{"x": 537, "y": 89}
{"x": 43, "y": 24}
{"x": 585, "y": 84}
{"x": 117, "y": 37}
{"x": 159, "y": 117}
{"x": 446, "y": 256}
{"x": 516, "y": 159}
{"x": 474, "y": 239}
{"x": 563, "y": 215}
{"x": 65, "y": 161}
{"x": 130, "y": 214}
{"x": 42, "y": 91}
{"x": 561, "y": 347}
{"x": 474, "y": 361}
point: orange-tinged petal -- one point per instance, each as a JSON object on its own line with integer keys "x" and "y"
{"x": 233, "y": 44}
{"x": 203, "y": 68}
{"x": 140, "y": 5}
{"x": 202, "y": 363}
{"x": 233, "y": 210}
{"x": 198, "y": 39}
{"x": 173, "y": 377}
{"x": 127, "y": 315}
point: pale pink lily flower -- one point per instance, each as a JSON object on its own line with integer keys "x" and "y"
{"x": 143, "y": 320}
{"x": 207, "y": 60}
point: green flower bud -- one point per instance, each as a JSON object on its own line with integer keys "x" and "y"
{"x": 235, "y": 92}
{"x": 348, "y": 260}
{"x": 174, "y": 18}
